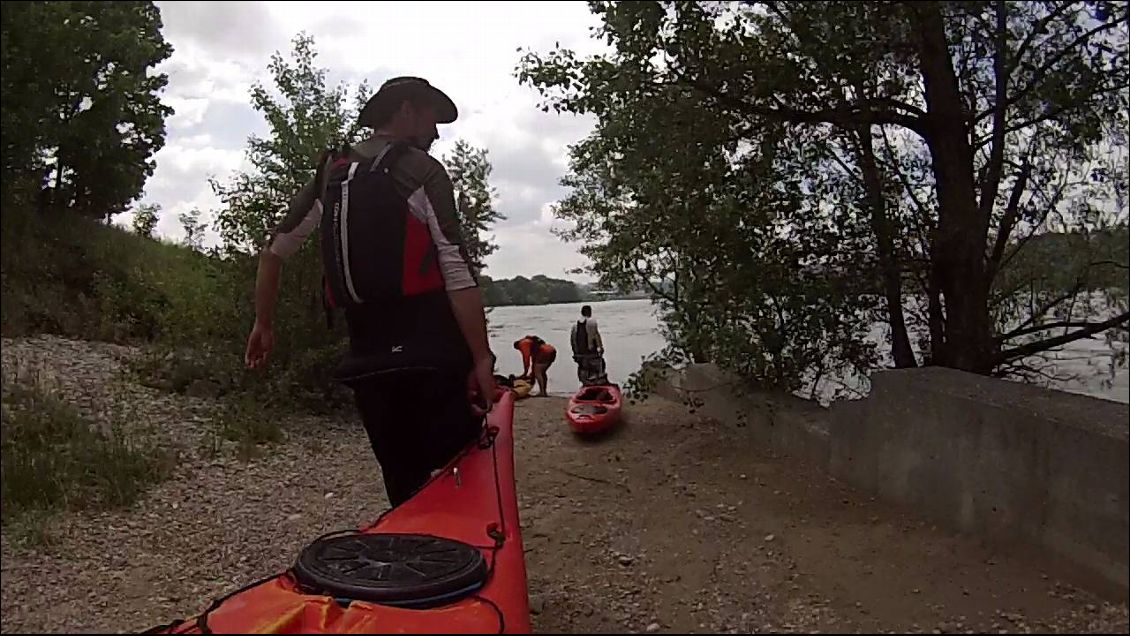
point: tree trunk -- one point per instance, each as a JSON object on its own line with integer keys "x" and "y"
{"x": 901, "y": 351}
{"x": 957, "y": 259}
{"x": 937, "y": 319}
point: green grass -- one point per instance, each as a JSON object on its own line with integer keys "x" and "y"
{"x": 71, "y": 276}
{"x": 53, "y": 459}
{"x": 248, "y": 420}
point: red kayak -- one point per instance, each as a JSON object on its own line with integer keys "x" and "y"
{"x": 449, "y": 560}
{"x": 594, "y": 408}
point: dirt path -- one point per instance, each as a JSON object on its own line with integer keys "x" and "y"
{"x": 674, "y": 523}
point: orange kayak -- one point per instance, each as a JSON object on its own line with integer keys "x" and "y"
{"x": 449, "y": 560}
{"x": 594, "y": 408}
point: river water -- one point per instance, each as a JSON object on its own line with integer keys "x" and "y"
{"x": 630, "y": 329}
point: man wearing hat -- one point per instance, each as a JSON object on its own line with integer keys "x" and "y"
{"x": 420, "y": 365}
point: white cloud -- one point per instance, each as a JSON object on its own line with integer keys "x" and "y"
{"x": 467, "y": 49}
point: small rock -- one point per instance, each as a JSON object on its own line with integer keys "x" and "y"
{"x": 741, "y": 476}
{"x": 1091, "y": 607}
{"x": 329, "y": 495}
{"x": 294, "y": 517}
{"x": 653, "y": 628}
{"x": 537, "y": 604}
{"x": 626, "y": 560}
{"x": 769, "y": 538}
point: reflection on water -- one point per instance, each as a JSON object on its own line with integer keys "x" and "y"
{"x": 631, "y": 332}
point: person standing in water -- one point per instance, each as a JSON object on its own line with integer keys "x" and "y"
{"x": 588, "y": 349}
{"x": 537, "y": 356}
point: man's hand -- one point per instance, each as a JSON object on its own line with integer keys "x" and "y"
{"x": 482, "y": 391}
{"x": 259, "y": 345}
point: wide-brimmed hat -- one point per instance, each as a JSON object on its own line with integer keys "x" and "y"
{"x": 393, "y": 92}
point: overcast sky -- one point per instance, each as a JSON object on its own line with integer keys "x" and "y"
{"x": 467, "y": 49}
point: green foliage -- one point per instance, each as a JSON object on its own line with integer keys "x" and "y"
{"x": 305, "y": 118}
{"x": 249, "y": 422}
{"x": 80, "y": 101}
{"x": 65, "y": 274}
{"x": 470, "y": 171}
{"x": 193, "y": 229}
{"x": 766, "y": 165}
{"x": 145, "y": 219}
{"x": 55, "y": 459}
{"x": 78, "y": 278}
{"x": 733, "y": 235}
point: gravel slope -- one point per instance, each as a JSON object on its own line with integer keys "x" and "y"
{"x": 673, "y": 523}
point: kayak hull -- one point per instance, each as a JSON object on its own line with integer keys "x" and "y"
{"x": 473, "y": 501}
{"x": 594, "y": 409}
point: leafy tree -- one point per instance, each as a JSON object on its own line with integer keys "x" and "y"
{"x": 932, "y": 140}
{"x": 305, "y": 117}
{"x": 80, "y": 100}
{"x": 193, "y": 229}
{"x": 470, "y": 171}
{"x": 145, "y": 219}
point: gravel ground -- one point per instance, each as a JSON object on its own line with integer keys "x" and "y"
{"x": 672, "y": 523}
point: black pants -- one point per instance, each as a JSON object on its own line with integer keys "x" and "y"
{"x": 590, "y": 369}
{"x": 416, "y": 424}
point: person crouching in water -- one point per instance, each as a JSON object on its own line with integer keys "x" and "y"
{"x": 537, "y": 356}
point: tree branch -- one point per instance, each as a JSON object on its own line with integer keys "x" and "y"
{"x": 990, "y": 184}
{"x": 1040, "y": 74}
{"x": 846, "y": 117}
{"x": 1022, "y": 50}
{"x": 1051, "y": 205}
{"x": 1109, "y": 262}
{"x": 1045, "y": 327}
{"x": 846, "y": 168}
{"x": 923, "y": 213}
{"x": 1008, "y": 222}
{"x": 655, "y": 290}
{"x": 595, "y": 479}
{"x": 1035, "y": 314}
{"x": 1052, "y": 114}
{"x": 1031, "y": 348}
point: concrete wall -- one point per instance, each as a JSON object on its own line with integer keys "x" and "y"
{"x": 999, "y": 459}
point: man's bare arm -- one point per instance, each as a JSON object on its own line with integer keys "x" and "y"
{"x": 467, "y": 304}
{"x": 267, "y": 287}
